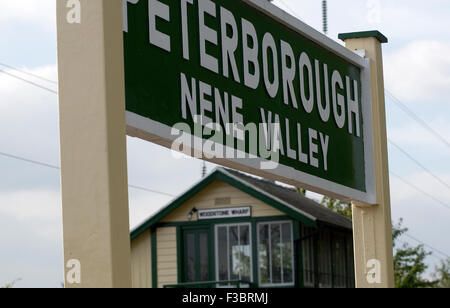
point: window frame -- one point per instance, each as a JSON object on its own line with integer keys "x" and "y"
{"x": 324, "y": 241}
{"x": 280, "y": 223}
{"x": 310, "y": 252}
{"x": 216, "y": 247}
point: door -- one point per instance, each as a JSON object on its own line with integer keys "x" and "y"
{"x": 196, "y": 258}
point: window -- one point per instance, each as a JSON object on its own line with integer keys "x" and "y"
{"x": 339, "y": 261}
{"x": 195, "y": 255}
{"x": 325, "y": 272}
{"x": 308, "y": 256}
{"x": 233, "y": 252}
{"x": 275, "y": 253}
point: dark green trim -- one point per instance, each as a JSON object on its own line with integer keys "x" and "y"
{"x": 299, "y": 258}
{"x": 180, "y": 248}
{"x": 255, "y": 257}
{"x": 182, "y": 228}
{"x": 352, "y": 35}
{"x": 154, "y": 261}
{"x": 197, "y": 224}
{"x": 295, "y": 230}
{"x": 212, "y": 253}
{"x": 220, "y": 175}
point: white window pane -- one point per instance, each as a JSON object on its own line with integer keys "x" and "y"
{"x": 275, "y": 254}
{"x": 287, "y": 253}
{"x": 234, "y": 253}
{"x": 245, "y": 258}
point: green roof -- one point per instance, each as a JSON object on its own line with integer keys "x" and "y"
{"x": 352, "y": 35}
{"x": 282, "y": 198}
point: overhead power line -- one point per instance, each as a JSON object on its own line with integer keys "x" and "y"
{"x": 420, "y": 190}
{"x": 427, "y": 245}
{"x": 418, "y": 163}
{"x": 29, "y": 82}
{"x": 29, "y": 161}
{"x": 28, "y": 73}
{"x": 151, "y": 190}
{"x": 35, "y": 162}
{"x": 49, "y": 165}
{"x": 292, "y": 11}
{"x": 416, "y": 118}
{"x": 325, "y": 17}
{"x": 406, "y": 243}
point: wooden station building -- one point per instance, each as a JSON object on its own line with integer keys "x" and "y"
{"x": 231, "y": 229}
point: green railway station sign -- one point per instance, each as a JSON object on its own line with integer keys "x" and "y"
{"x": 244, "y": 84}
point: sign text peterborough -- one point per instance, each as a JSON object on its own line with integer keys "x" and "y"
{"x": 204, "y": 62}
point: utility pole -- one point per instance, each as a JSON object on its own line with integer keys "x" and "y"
{"x": 204, "y": 169}
{"x": 325, "y": 16}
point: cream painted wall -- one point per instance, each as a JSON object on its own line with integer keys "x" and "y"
{"x": 206, "y": 199}
{"x": 141, "y": 265}
{"x": 166, "y": 245}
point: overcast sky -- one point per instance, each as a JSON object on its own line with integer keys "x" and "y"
{"x": 417, "y": 70}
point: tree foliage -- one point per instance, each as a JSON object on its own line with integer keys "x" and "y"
{"x": 442, "y": 274}
{"x": 409, "y": 262}
{"x": 301, "y": 191}
{"x": 338, "y": 206}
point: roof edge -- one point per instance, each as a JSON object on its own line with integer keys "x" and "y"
{"x": 374, "y": 33}
{"x": 221, "y": 173}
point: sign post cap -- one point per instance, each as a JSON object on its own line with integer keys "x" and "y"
{"x": 352, "y": 35}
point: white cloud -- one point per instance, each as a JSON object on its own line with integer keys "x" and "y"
{"x": 29, "y": 116}
{"x": 31, "y": 238}
{"x": 32, "y": 205}
{"x": 404, "y": 193}
{"x": 41, "y": 12}
{"x": 412, "y": 135}
{"x": 420, "y": 71}
{"x": 406, "y": 20}
{"x": 144, "y": 205}
{"x": 426, "y": 219}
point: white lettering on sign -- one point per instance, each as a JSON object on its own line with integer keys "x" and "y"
{"x": 224, "y": 213}
{"x": 207, "y": 35}
{"x": 125, "y": 12}
{"x": 344, "y": 103}
{"x": 161, "y": 10}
